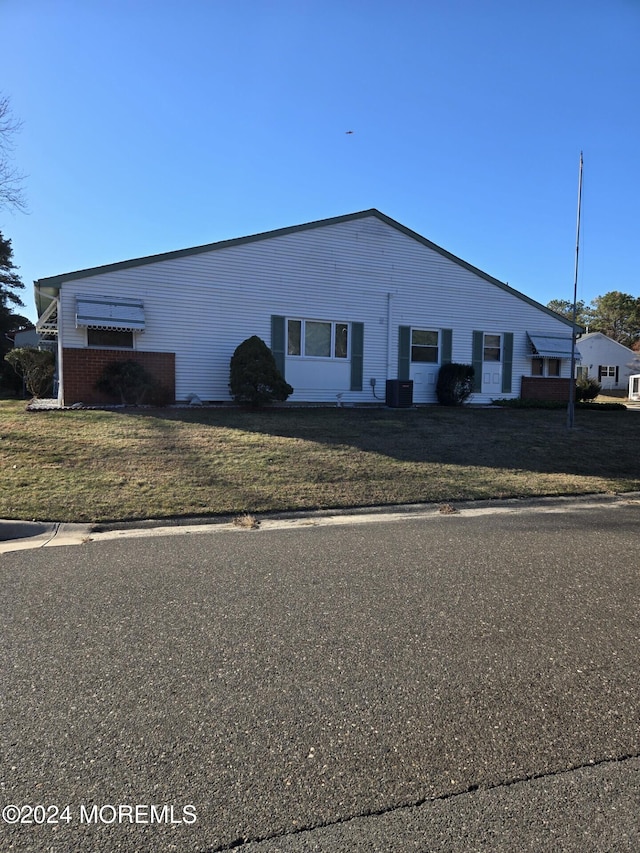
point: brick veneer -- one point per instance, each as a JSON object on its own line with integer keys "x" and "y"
{"x": 81, "y": 369}
{"x": 544, "y": 388}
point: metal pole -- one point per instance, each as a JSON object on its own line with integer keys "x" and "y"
{"x": 572, "y": 385}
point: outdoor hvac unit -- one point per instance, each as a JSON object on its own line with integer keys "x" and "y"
{"x": 399, "y": 393}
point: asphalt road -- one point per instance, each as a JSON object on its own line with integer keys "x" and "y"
{"x": 456, "y": 683}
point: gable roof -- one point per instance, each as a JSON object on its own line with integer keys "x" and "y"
{"x": 591, "y": 335}
{"x": 55, "y": 282}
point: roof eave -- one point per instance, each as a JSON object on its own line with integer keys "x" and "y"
{"x": 55, "y": 282}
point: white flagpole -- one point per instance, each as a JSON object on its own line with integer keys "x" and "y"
{"x": 572, "y": 382}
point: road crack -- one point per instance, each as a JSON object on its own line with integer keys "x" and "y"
{"x": 470, "y": 789}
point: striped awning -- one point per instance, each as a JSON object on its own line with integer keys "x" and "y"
{"x": 544, "y": 345}
{"x": 121, "y": 315}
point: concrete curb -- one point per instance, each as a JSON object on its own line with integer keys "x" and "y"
{"x": 15, "y": 535}
{"x": 20, "y": 535}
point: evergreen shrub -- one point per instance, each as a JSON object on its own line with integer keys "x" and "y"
{"x": 126, "y": 381}
{"x": 587, "y": 388}
{"x": 35, "y": 366}
{"x": 455, "y": 384}
{"x": 254, "y": 378}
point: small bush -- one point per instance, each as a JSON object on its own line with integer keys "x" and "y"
{"x": 602, "y": 407}
{"x": 455, "y": 384}
{"x": 587, "y": 388}
{"x": 35, "y": 366}
{"x": 126, "y": 381}
{"x": 254, "y": 377}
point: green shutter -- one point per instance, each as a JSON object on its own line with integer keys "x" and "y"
{"x": 446, "y": 337}
{"x": 277, "y": 341}
{"x": 404, "y": 351}
{"x": 476, "y": 360}
{"x": 507, "y": 361}
{"x": 357, "y": 353}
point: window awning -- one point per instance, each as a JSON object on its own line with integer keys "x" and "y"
{"x": 121, "y": 315}
{"x": 544, "y": 345}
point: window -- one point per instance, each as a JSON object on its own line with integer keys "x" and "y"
{"x": 109, "y": 338}
{"x": 424, "y": 346}
{"x": 607, "y": 370}
{"x": 545, "y": 366}
{"x": 317, "y": 339}
{"x": 582, "y": 372}
{"x": 294, "y": 337}
{"x": 553, "y": 367}
{"x": 491, "y": 351}
{"x": 341, "y": 340}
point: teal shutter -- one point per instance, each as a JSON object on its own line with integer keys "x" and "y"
{"x": 404, "y": 351}
{"x": 476, "y": 360}
{"x": 357, "y": 355}
{"x": 277, "y": 341}
{"x": 446, "y": 338}
{"x": 507, "y": 361}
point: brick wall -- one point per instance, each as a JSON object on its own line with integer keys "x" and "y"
{"x": 83, "y": 367}
{"x": 544, "y": 388}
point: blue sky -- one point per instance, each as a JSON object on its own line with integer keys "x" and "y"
{"x": 157, "y": 125}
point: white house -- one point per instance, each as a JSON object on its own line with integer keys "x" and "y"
{"x": 345, "y": 304}
{"x": 606, "y": 360}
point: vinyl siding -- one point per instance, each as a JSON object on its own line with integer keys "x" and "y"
{"x": 360, "y": 271}
{"x": 597, "y": 349}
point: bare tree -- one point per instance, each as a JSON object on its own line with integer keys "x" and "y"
{"x": 11, "y": 193}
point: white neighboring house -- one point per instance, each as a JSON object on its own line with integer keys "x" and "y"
{"x": 606, "y": 360}
{"x": 345, "y": 304}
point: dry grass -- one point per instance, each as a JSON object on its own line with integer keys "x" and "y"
{"x": 246, "y": 521}
{"x": 133, "y": 464}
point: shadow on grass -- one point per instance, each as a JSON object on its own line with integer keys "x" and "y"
{"x": 525, "y": 440}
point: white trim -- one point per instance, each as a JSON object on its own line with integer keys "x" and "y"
{"x": 302, "y": 355}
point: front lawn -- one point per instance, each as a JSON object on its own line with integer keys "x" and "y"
{"x": 131, "y": 464}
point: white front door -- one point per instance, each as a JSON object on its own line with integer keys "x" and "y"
{"x": 492, "y": 363}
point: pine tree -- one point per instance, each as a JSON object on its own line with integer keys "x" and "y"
{"x": 9, "y": 279}
{"x": 9, "y": 321}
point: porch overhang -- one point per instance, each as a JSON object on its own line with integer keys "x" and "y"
{"x": 48, "y": 323}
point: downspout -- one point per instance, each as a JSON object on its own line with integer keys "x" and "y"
{"x": 389, "y": 331}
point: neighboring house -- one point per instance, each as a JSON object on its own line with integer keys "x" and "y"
{"x": 26, "y": 338}
{"x": 606, "y": 360}
{"x": 344, "y": 303}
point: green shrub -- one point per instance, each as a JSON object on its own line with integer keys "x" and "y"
{"x": 602, "y": 407}
{"x": 587, "y": 388}
{"x": 35, "y": 366}
{"x": 126, "y": 381}
{"x": 254, "y": 377}
{"x": 455, "y": 384}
